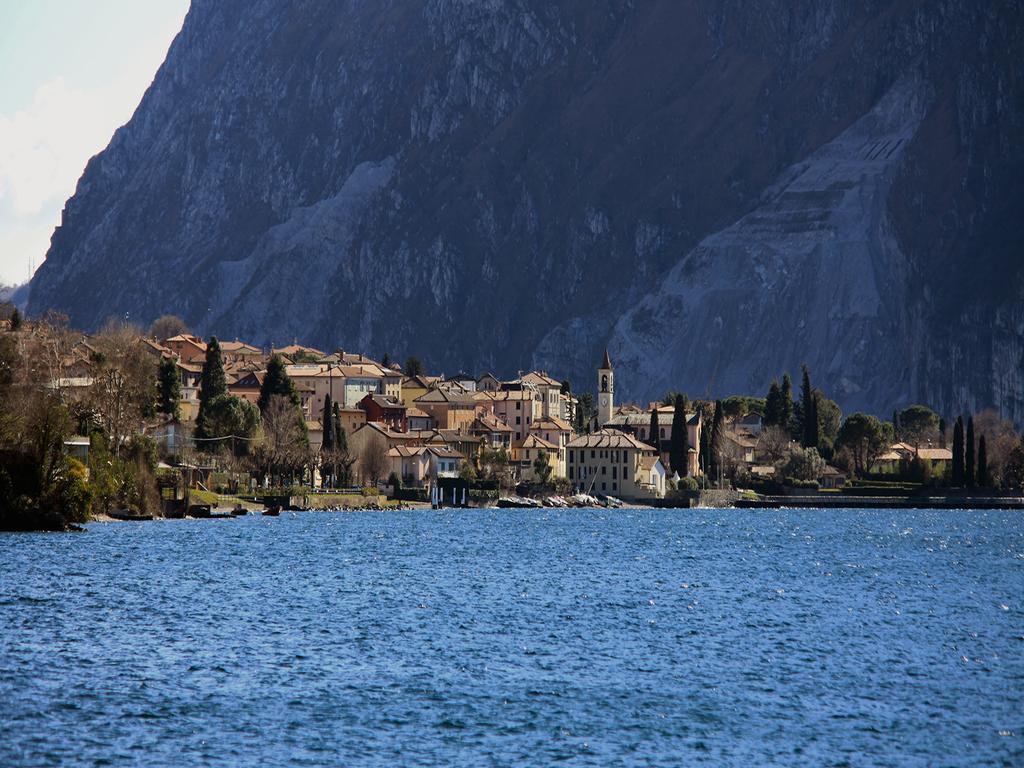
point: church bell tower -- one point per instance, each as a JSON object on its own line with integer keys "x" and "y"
{"x": 605, "y": 391}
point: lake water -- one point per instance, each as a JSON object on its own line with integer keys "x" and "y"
{"x": 718, "y": 637}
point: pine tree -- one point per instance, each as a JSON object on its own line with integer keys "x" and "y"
{"x": 386, "y": 360}
{"x": 810, "y": 412}
{"x": 212, "y": 384}
{"x": 276, "y": 382}
{"x": 970, "y": 466}
{"x": 655, "y": 432}
{"x": 773, "y": 406}
{"x": 957, "y": 469}
{"x": 679, "y": 445}
{"x": 982, "y": 463}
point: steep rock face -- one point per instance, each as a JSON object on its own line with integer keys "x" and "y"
{"x": 494, "y": 182}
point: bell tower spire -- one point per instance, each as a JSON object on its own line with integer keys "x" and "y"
{"x": 605, "y": 391}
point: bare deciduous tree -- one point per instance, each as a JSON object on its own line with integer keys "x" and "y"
{"x": 166, "y": 326}
{"x": 373, "y": 459}
{"x": 774, "y": 444}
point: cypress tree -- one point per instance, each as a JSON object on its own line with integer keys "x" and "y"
{"x": 327, "y": 422}
{"x": 773, "y": 406}
{"x": 212, "y": 384}
{"x": 969, "y": 462}
{"x": 810, "y": 412}
{"x": 786, "y": 402}
{"x": 679, "y": 445}
{"x": 715, "y": 442}
{"x": 341, "y": 446}
{"x": 704, "y": 449}
{"x": 169, "y": 387}
{"x": 655, "y": 432}
{"x": 957, "y": 469}
{"x": 896, "y": 427}
{"x": 982, "y": 463}
{"x": 942, "y": 433}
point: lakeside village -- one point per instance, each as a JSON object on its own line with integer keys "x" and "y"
{"x": 131, "y": 425}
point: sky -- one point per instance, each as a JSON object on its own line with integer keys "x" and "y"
{"x": 71, "y": 73}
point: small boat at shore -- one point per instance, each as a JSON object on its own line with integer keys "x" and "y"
{"x": 239, "y": 511}
{"x": 274, "y": 511}
{"x": 127, "y": 514}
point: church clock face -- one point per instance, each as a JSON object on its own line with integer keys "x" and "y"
{"x": 604, "y": 401}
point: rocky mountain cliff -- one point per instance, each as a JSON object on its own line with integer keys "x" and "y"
{"x": 720, "y": 191}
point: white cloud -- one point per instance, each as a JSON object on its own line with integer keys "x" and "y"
{"x": 44, "y": 148}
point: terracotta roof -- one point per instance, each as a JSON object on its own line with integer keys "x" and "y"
{"x": 634, "y": 417}
{"x": 406, "y": 451}
{"x": 533, "y": 441}
{"x": 443, "y": 452}
{"x": 415, "y": 413}
{"x": 442, "y": 396}
{"x": 488, "y": 423}
{"x": 608, "y": 438}
{"x": 540, "y": 378}
{"x": 647, "y": 462}
{"x": 553, "y": 423}
{"x": 383, "y": 401}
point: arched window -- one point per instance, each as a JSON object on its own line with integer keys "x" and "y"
{"x": 604, "y": 383}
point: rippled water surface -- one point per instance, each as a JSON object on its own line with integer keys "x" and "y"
{"x": 722, "y": 637}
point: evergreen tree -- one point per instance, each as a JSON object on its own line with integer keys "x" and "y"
{"x": 213, "y": 384}
{"x": 343, "y": 471}
{"x": 169, "y": 388}
{"x": 897, "y": 431}
{"x": 957, "y": 468}
{"x": 810, "y": 412}
{"x": 715, "y": 442}
{"x": 982, "y": 463}
{"x": 679, "y": 441}
{"x": 327, "y": 422}
{"x": 277, "y": 382}
{"x": 969, "y": 462}
{"x": 787, "y": 402}
{"x": 413, "y": 366}
{"x": 386, "y": 360}
{"x": 16, "y": 320}
{"x": 773, "y": 406}
{"x": 655, "y": 432}
{"x": 704, "y": 449}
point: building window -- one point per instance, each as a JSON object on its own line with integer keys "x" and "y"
{"x": 604, "y": 469}
{"x": 604, "y": 487}
{"x": 615, "y": 486}
{"x": 519, "y": 419}
{"x": 615, "y": 473}
{"x": 570, "y": 473}
{"x": 625, "y": 473}
{"x": 593, "y": 454}
{"x": 519, "y": 406}
{"x": 662, "y": 432}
